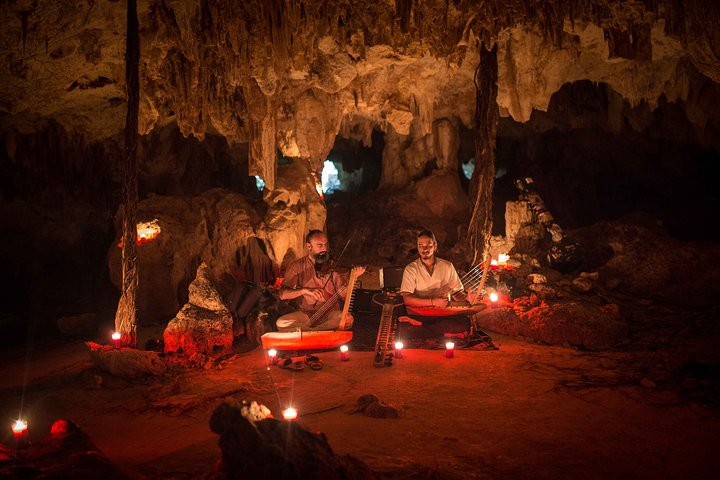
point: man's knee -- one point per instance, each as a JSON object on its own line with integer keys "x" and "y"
{"x": 291, "y": 321}
{"x": 336, "y": 316}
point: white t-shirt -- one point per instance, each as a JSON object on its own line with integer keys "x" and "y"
{"x": 418, "y": 281}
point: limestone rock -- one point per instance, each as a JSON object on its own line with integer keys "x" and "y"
{"x": 203, "y": 293}
{"x": 371, "y": 406}
{"x": 645, "y": 260}
{"x": 126, "y": 362}
{"x": 537, "y": 278}
{"x": 197, "y": 330}
{"x": 585, "y": 283}
{"x": 295, "y": 208}
{"x": 443, "y": 196}
{"x": 204, "y": 325}
{"x": 579, "y": 324}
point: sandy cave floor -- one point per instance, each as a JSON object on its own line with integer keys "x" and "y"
{"x": 523, "y": 411}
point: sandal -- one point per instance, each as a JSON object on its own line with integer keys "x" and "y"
{"x": 314, "y": 362}
{"x": 288, "y": 364}
{"x": 309, "y": 358}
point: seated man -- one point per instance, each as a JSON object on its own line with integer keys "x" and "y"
{"x": 311, "y": 290}
{"x": 429, "y": 283}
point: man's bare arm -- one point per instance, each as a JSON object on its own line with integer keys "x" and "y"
{"x": 414, "y": 301}
{"x": 291, "y": 293}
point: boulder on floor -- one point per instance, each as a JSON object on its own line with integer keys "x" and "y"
{"x": 584, "y": 325}
{"x": 270, "y": 448}
{"x": 126, "y": 362}
{"x": 66, "y": 453}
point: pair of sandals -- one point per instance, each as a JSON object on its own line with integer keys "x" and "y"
{"x": 312, "y": 361}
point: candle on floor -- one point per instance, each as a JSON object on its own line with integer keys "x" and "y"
{"x": 450, "y": 349}
{"x": 344, "y": 353}
{"x": 20, "y": 432}
{"x": 290, "y": 413}
{"x": 272, "y": 356}
{"x": 116, "y": 339}
{"x": 399, "y": 349}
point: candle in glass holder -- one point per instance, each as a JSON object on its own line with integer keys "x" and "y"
{"x": 290, "y": 413}
{"x": 116, "y": 339}
{"x": 20, "y": 432}
{"x": 450, "y": 349}
{"x": 399, "y": 349}
{"x": 272, "y": 356}
{"x": 344, "y": 353}
{"x": 494, "y": 299}
{"x": 503, "y": 259}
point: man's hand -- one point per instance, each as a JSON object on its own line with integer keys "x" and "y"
{"x": 358, "y": 270}
{"x": 472, "y": 298}
{"x": 411, "y": 321}
{"x": 313, "y": 293}
{"x": 440, "y": 302}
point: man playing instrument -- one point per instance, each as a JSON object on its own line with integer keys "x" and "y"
{"x": 430, "y": 284}
{"x": 311, "y": 290}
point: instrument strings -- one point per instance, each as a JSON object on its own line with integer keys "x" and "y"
{"x": 472, "y": 278}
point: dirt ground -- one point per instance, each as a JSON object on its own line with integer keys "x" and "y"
{"x": 522, "y": 411}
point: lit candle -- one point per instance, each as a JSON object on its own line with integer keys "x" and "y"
{"x": 20, "y": 432}
{"x": 272, "y": 356}
{"x": 290, "y": 413}
{"x": 450, "y": 349}
{"x": 344, "y": 353}
{"x": 398, "y": 349}
{"x": 494, "y": 299}
{"x": 116, "y": 339}
{"x": 502, "y": 259}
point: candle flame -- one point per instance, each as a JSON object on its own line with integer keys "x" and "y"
{"x": 450, "y": 345}
{"x": 272, "y": 352}
{"x": 146, "y": 231}
{"x": 116, "y": 336}
{"x": 493, "y": 297}
{"x": 290, "y": 413}
{"x": 399, "y": 345}
{"x": 19, "y": 426}
{"x": 493, "y": 262}
{"x": 344, "y": 348}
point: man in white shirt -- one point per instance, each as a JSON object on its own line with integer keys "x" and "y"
{"x": 428, "y": 285}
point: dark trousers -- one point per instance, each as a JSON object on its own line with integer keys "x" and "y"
{"x": 434, "y": 327}
{"x": 241, "y": 302}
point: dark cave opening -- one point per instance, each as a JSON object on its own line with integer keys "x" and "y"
{"x": 359, "y": 166}
{"x": 587, "y": 172}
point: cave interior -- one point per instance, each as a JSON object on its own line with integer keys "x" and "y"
{"x": 258, "y": 121}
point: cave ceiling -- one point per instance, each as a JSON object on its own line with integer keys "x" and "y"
{"x": 292, "y": 75}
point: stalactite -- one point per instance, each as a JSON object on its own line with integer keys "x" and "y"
{"x": 125, "y": 318}
{"x": 486, "y": 124}
{"x": 262, "y": 151}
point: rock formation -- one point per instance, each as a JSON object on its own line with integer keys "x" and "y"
{"x": 204, "y": 325}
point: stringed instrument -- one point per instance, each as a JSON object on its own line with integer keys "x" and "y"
{"x": 385, "y": 342}
{"x": 318, "y": 339}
